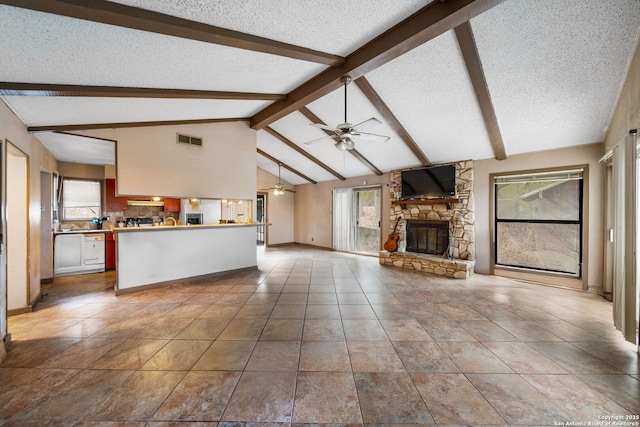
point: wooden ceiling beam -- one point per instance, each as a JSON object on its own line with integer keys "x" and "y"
{"x": 467, "y": 44}
{"x": 287, "y": 167}
{"x": 41, "y": 89}
{"x": 89, "y": 126}
{"x": 391, "y": 119}
{"x": 120, "y": 15}
{"x": 426, "y": 24}
{"x": 355, "y": 153}
{"x": 299, "y": 150}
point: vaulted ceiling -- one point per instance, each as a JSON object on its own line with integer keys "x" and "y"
{"x": 449, "y": 80}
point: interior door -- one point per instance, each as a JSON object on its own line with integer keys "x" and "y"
{"x": 367, "y": 210}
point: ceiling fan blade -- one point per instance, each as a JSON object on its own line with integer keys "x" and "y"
{"x": 369, "y": 123}
{"x": 290, "y": 191}
{"x": 371, "y": 136}
{"x": 322, "y": 126}
{"x": 319, "y": 139}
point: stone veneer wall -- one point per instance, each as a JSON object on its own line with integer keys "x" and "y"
{"x": 461, "y": 217}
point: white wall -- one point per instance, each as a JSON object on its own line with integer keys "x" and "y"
{"x": 150, "y": 162}
{"x": 280, "y": 209}
{"x": 593, "y": 197}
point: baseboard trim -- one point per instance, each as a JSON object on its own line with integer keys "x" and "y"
{"x": 181, "y": 280}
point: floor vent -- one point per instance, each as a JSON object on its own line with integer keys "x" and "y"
{"x": 187, "y": 139}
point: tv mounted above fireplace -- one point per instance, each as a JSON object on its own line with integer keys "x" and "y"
{"x": 435, "y": 182}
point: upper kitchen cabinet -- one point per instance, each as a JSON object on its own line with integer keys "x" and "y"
{"x": 171, "y": 205}
{"x": 112, "y": 202}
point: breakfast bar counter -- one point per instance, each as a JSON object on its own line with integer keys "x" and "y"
{"x": 150, "y": 257}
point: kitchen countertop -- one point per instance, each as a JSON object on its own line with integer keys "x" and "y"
{"x": 79, "y": 231}
{"x": 188, "y": 227}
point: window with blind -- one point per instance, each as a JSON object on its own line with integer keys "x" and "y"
{"x": 81, "y": 199}
{"x": 538, "y": 221}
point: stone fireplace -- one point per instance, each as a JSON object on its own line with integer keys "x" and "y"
{"x": 427, "y": 237}
{"x": 436, "y": 236}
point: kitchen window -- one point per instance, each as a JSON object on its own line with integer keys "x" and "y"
{"x": 538, "y": 221}
{"x": 81, "y": 199}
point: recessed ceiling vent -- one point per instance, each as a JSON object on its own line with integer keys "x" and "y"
{"x": 187, "y": 139}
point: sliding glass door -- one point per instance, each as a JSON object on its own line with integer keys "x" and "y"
{"x": 367, "y": 220}
{"x": 356, "y": 219}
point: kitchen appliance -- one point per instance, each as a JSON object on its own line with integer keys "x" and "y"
{"x": 145, "y": 222}
{"x": 194, "y": 218}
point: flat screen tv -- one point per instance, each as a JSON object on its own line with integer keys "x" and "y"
{"x": 435, "y": 182}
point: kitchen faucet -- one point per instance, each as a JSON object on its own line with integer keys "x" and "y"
{"x": 172, "y": 219}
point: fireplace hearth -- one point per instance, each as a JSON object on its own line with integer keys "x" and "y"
{"x": 427, "y": 237}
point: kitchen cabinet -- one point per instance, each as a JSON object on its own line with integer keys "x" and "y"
{"x": 171, "y": 205}
{"x": 110, "y": 252}
{"x": 77, "y": 253}
{"x": 112, "y": 202}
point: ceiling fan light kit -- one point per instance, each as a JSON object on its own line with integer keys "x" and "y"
{"x": 346, "y": 131}
{"x": 278, "y": 189}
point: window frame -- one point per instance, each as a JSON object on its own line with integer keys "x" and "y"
{"x": 580, "y": 222}
{"x": 63, "y": 205}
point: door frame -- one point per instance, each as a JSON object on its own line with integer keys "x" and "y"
{"x": 27, "y": 303}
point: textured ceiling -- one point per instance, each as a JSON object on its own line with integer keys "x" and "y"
{"x": 553, "y": 71}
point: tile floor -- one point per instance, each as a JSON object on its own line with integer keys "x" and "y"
{"x": 317, "y": 337}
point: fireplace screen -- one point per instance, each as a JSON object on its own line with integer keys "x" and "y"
{"x": 429, "y": 237}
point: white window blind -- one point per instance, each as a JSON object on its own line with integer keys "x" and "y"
{"x": 81, "y": 199}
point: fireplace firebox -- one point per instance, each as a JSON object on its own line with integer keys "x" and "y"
{"x": 428, "y": 237}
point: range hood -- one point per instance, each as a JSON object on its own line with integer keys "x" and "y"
{"x": 151, "y": 201}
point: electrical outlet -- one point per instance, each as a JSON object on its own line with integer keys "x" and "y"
{"x": 312, "y": 239}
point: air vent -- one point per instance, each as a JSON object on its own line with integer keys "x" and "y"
{"x": 187, "y": 139}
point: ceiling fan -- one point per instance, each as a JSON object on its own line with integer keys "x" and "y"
{"x": 278, "y": 189}
{"x": 345, "y": 132}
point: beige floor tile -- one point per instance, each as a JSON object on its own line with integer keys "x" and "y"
{"x": 390, "y": 398}
{"x": 243, "y": 329}
{"x": 323, "y": 330}
{"x": 203, "y": 329}
{"x": 137, "y": 398}
{"x": 129, "y": 355}
{"x": 453, "y": 400}
{"x": 200, "y": 396}
{"x": 274, "y": 356}
{"x": 405, "y": 330}
{"x": 574, "y": 397}
{"x": 536, "y": 354}
{"x": 424, "y": 356}
{"x": 225, "y": 356}
{"x": 374, "y": 356}
{"x": 324, "y": 356}
{"x": 262, "y": 397}
{"x": 326, "y": 397}
{"x": 473, "y": 357}
{"x": 75, "y": 397}
{"x": 177, "y": 355}
{"x": 523, "y": 359}
{"x": 282, "y": 330}
{"x": 517, "y": 401}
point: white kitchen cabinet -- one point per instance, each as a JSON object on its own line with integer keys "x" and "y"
{"x": 68, "y": 253}
{"x": 78, "y": 253}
